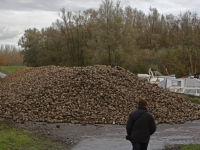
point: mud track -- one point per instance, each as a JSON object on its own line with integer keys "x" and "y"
{"x": 112, "y": 137}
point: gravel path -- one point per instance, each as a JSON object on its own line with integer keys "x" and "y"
{"x": 112, "y": 137}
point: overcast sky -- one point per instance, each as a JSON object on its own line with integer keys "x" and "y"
{"x": 18, "y": 15}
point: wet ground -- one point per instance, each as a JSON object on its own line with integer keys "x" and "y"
{"x": 112, "y": 137}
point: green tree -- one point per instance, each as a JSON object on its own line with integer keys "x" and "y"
{"x": 30, "y": 46}
{"x": 50, "y": 47}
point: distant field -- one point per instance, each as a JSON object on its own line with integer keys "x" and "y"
{"x": 9, "y": 69}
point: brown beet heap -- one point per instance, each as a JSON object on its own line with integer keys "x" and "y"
{"x": 87, "y": 95}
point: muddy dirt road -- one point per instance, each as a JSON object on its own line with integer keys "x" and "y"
{"x": 112, "y": 137}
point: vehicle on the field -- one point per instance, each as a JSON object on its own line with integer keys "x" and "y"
{"x": 190, "y": 86}
{"x": 155, "y": 76}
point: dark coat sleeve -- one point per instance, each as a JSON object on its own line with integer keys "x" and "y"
{"x": 129, "y": 125}
{"x": 152, "y": 126}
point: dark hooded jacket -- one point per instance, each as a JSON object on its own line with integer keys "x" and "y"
{"x": 139, "y": 130}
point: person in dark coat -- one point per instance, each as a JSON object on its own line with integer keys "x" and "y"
{"x": 140, "y": 126}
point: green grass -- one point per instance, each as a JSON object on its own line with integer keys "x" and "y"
{"x": 191, "y": 147}
{"x": 17, "y": 139}
{"x": 9, "y": 69}
{"x": 194, "y": 99}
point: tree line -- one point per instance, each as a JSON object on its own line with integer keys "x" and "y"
{"x": 113, "y": 35}
{"x": 10, "y": 56}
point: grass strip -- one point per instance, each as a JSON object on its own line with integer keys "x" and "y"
{"x": 15, "y": 139}
{"x": 191, "y": 147}
{"x": 183, "y": 147}
{"x": 9, "y": 69}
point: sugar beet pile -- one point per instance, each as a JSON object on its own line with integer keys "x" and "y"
{"x": 87, "y": 95}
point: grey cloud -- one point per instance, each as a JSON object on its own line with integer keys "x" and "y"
{"x": 75, "y": 5}
{"x": 2, "y": 30}
{"x": 167, "y": 6}
{"x": 53, "y": 5}
{"x": 46, "y": 5}
{"x": 27, "y": 5}
{"x": 7, "y": 33}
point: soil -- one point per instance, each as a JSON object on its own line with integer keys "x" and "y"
{"x": 112, "y": 137}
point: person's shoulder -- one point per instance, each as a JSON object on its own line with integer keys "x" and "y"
{"x": 133, "y": 111}
{"x": 150, "y": 114}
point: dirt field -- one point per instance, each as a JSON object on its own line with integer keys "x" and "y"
{"x": 112, "y": 137}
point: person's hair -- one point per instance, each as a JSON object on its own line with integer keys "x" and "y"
{"x": 142, "y": 102}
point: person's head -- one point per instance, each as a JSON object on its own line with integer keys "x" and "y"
{"x": 142, "y": 102}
